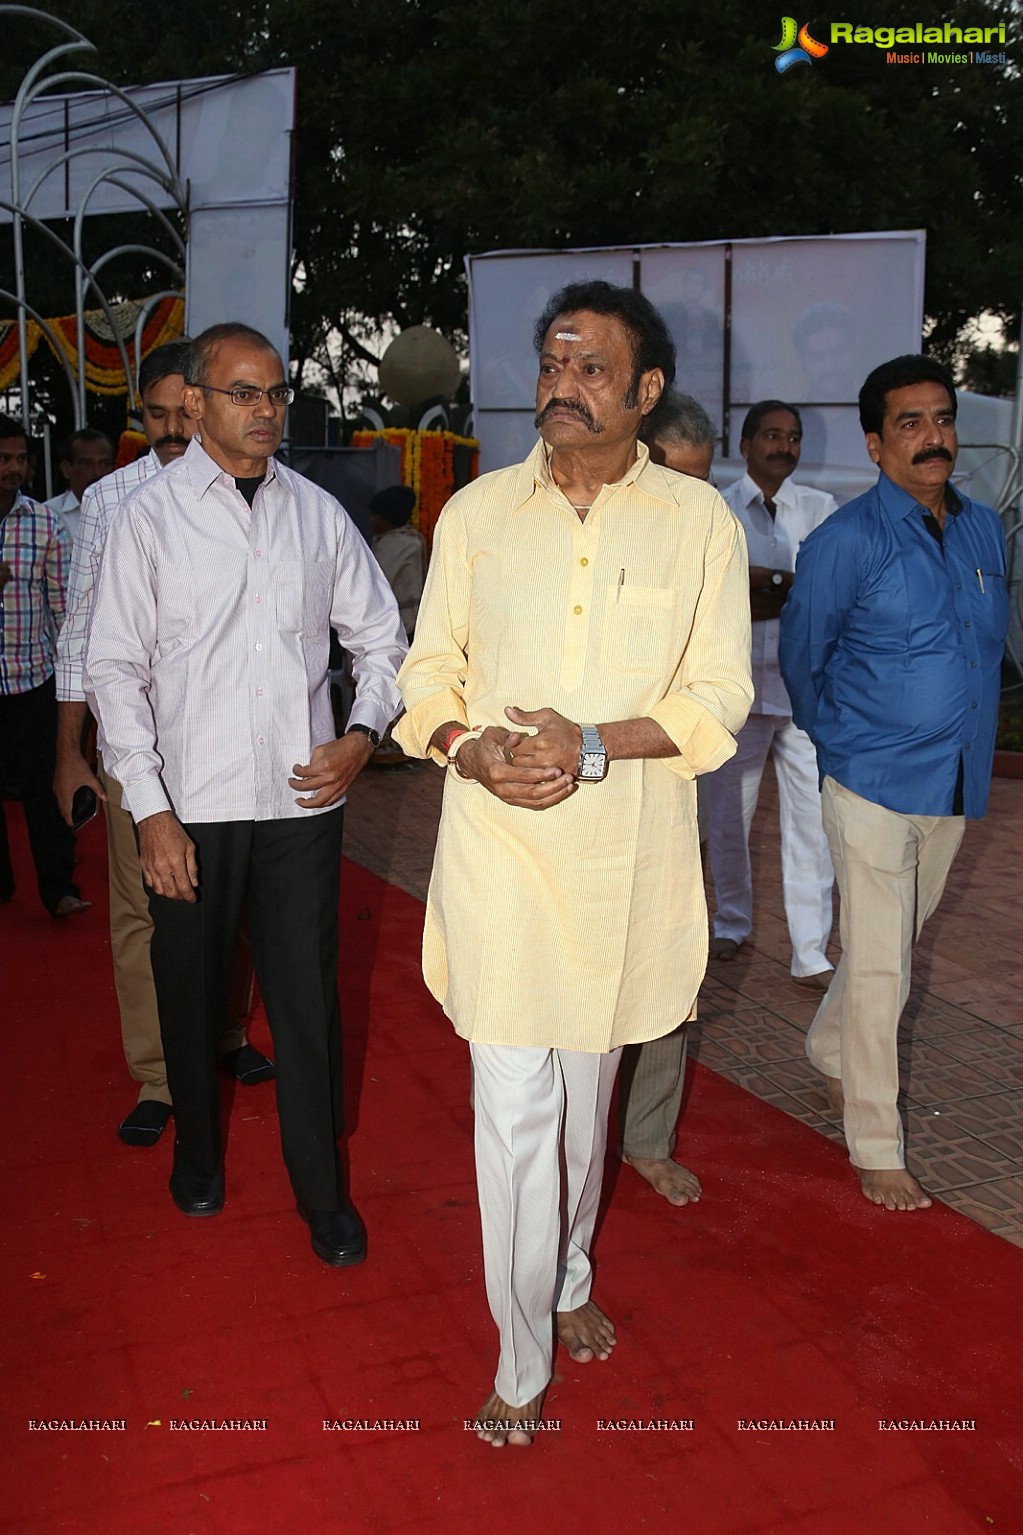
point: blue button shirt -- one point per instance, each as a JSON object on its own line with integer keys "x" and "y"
{"x": 891, "y": 649}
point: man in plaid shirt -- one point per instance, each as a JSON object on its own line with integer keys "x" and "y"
{"x": 33, "y": 556}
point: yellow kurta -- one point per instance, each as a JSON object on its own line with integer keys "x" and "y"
{"x": 584, "y": 926}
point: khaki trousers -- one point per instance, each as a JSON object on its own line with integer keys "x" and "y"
{"x": 541, "y": 1132}
{"x": 891, "y": 871}
{"x": 650, "y": 1094}
{"x": 131, "y": 932}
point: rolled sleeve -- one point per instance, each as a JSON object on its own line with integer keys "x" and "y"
{"x": 707, "y": 707}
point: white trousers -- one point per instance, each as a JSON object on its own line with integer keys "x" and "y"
{"x": 891, "y": 873}
{"x": 541, "y": 1131}
{"x": 806, "y": 870}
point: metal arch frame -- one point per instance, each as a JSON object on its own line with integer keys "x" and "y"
{"x": 85, "y": 277}
{"x": 44, "y": 326}
{"x": 25, "y": 94}
{"x": 90, "y": 275}
{"x": 129, "y": 163}
{"x": 140, "y": 325}
{"x": 77, "y": 398}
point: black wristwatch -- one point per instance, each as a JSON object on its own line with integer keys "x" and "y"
{"x": 364, "y": 730}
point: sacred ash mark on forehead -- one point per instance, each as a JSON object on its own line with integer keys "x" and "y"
{"x": 567, "y": 335}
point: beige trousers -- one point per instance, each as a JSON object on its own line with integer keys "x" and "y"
{"x": 891, "y": 871}
{"x": 650, "y": 1094}
{"x": 131, "y": 930}
{"x": 541, "y": 1132}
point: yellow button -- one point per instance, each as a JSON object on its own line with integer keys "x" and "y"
{"x": 584, "y": 560}
{"x": 577, "y": 610}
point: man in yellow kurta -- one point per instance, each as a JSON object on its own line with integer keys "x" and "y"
{"x": 582, "y": 652}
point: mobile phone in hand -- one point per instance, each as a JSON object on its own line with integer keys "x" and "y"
{"x": 83, "y": 807}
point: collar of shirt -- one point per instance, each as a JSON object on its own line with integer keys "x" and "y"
{"x": 203, "y": 470}
{"x": 67, "y": 501}
{"x": 752, "y": 495}
{"x": 536, "y": 472}
{"x": 22, "y": 504}
{"x": 899, "y": 503}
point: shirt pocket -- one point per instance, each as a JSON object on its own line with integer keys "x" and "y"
{"x": 639, "y": 630}
{"x": 302, "y": 597}
{"x": 993, "y": 607}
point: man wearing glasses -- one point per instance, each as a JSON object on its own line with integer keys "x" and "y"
{"x": 207, "y": 660}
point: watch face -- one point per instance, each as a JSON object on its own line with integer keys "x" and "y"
{"x": 592, "y": 765}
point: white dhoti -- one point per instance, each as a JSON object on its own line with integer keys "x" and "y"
{"x": 541, "y": 1132}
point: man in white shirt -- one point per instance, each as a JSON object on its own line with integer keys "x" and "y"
{"x": 776, "y": 516}
{"x": 207, "y": 659}
{"x": 168, "y": 430}
{"x": 85, "y": 457}
{"x": 400, "y": 549}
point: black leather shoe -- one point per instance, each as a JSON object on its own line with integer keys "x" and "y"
{"x": 145, "y": 1124}
{"x": 195, "y": 1193}
{"x": 337, "y": 1236}
{"x": 248, "y": 1065}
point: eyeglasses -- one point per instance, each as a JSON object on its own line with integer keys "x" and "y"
{"x": 242, "y": 394}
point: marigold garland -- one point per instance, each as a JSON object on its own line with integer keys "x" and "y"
{"x": 130, "y": 446}
{"x": 104, "y": 373}
{"x": 434, "y": 464}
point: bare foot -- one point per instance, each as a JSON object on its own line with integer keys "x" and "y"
{"x": 836, "y": 1097}
{"x": 894, "y": 1188}
{"x": 498, "y": 1423}
{"x": 586, "y": 1332}
{"x": 670, "y": 1179}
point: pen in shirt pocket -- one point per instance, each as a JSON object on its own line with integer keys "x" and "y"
{"x": 621, "y": 583}
{"x": 980, "y": 578}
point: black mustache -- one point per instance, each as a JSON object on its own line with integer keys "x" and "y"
{"x": 929, "y": 453}
{"x": 573, "y": 405}
{"x": 162, "y": 442}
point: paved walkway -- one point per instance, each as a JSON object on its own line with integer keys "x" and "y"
{"x": 962, "y": 1033}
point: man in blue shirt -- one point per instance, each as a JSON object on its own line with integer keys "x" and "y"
{"x": 891, "y": 648}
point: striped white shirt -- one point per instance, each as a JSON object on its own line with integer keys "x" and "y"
{"x": 206, "y": 657}
{"x": 774, "y": 542}
{"x": 99, "y": 503}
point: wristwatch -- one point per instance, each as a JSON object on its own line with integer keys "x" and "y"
{"x": 593, "y": 756}
{"x": 364, "y": 730}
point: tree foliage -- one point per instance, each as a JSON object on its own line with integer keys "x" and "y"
{"x": 429, "y": 128}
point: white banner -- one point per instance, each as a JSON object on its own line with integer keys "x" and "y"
{"x": 809, "y": 318}
{"x": 225, "y": 141}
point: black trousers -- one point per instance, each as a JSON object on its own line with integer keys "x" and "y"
{"x": 287, "y": 874}
{"x": 28, "y": 749}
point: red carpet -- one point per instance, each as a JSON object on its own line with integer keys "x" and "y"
{"x": 782, "y": 1296}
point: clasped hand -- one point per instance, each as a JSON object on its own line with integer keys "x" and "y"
{"x": 532, "y": 772}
